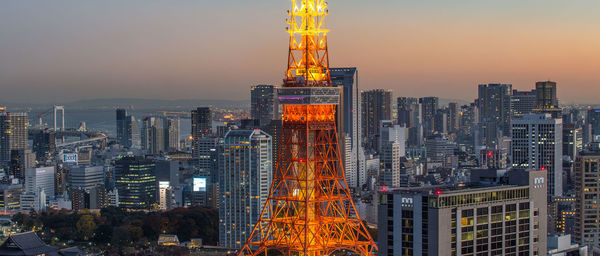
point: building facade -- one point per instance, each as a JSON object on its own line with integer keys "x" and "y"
{"x": 587, "y": 187}
{"x": 263, "y": 103}
{"x": 537, "y": 144}
{"x": 136, "y": 182}
{"x": 201, "y": 127}
{"x": 494, "y": 220}
{"x": 376, "y": 106}
{"x": 245, "y": 176}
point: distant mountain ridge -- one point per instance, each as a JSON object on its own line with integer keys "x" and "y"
{"x": 135, "y": 103}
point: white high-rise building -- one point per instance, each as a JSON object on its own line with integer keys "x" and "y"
{"x": 165, "y": 197}
{"x": 389, "y": 164}
{"x": 390, "y": 132}
{"x": 245, "y": 176}
{"x": 350, "y": 164}
{"x": 537, "y": 144}
{"x": 40, "y": 178}
{"x": 39, "y": 186}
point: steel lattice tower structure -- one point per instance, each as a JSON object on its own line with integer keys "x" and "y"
{"x": 309, "y": 211}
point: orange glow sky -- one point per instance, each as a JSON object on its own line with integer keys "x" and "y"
{"x": 68, "y": 49}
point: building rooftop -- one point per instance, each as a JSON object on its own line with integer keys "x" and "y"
{"x": 26, "y": 244}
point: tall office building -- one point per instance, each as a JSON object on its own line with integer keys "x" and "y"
{"x": 136, "y": 182}
{"x": 201, "y": 127}
{"x": 171, "y": 129}
{"x": 453, "y": 117}
{"x": 13, "y": 134}
{"x": 408, "y": 111}
{"x": 207, "y": 155}
{"x": 350, "y": 164}
{"x": 537, "y": 144}
{"x": 572, "y": 141}
{"x": 274, "y": 129}
{"x": 429, "y": 108}
{"x": 486, "y": 220}
{"x": 133, "y": 133}
{"x": 263, "y": 103}
{"x": 347, "y": 78}
{"x": 441, "y": 121}
{"x": 494, "y": 113}
{"x": 122, "y": 137}
{"x": 546, "y": 95}
{"x": 128, "y": 134}
{"x": 591, "y": 128}
{"x": 376, "y": 106}
{"x": 19, "y": 161}
{"x": 245, "y": 175}
{"x": 587, "y": 187}
{"x": 44, "y": 144}
{"x": 152, "y": 135}
{"x": 547, "y": 100}
{"x": 522, "y": 102}
{"x": 351, "y": 120}
{"x": 39, "y": 187}
{"x": 390, "y": 132}
{"x": 86, "y": 177}
{"x": 389, "y": 164}
{"x": 40, "y": 179}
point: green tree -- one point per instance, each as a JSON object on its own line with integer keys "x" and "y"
{"x": 121, "y": 236}
{"x": 86, "y": 226}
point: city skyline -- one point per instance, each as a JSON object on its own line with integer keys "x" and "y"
{"x": 70, "y": 50}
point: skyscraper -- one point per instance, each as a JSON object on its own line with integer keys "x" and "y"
{"x": 347, "y": 78}
{"x": 408, "y": 111}
{"x": 350, "y": 108}
{"x": 546, "y": 95}
{"x": 429, "y": 108}
{"x": 153, "y": 135}
{"x": 40, "y": 179}
{"x": 201, "y": 127}
{"x": 389, "y": 164}
{"x": 39, "y": 186}
{"x": 572, "y": 141}
{"x": 122, "y": 137}
{"x": 13, "y": 134}
{"x": 390, "y": 132}
{"x": 245, "y": 177}
{"x": 376, "y": 106}
{"x": 537, "y": 144}
{"x": 522, "y": 102}
{"x": 171, "y": 129}
{"x": 132, "y": 133}
{"x": 127, "y": 130}
{"x": 494, "y": 113}
{"x": 136, "y": 182}
{"x": 453, "y": 117}
{"x": 591, "y": 128}
{"x": 44, "y": 144}
{"x": 263, "y": 103}
{"x": 587, "y": 229}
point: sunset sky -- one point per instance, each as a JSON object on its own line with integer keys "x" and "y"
{"x": 64, "y": 50}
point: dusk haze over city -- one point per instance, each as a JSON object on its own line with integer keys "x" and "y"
{"x": 300, "y": 128}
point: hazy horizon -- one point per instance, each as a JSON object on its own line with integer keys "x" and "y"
{"x": 68, "y": 50}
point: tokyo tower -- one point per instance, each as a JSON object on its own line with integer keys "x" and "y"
{"x": 309, "y": 211}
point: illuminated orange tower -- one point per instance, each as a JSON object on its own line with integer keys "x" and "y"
{"x": 309, "y": 211}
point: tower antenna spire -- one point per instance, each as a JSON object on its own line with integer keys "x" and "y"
{"x": 308, "y": 59}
